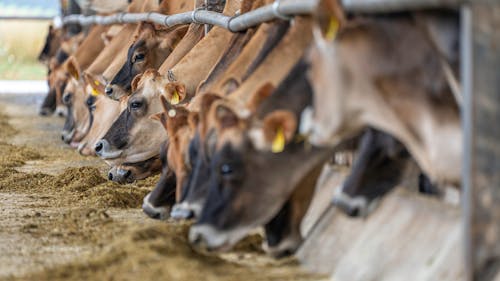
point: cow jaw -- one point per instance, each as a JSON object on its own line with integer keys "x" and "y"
{"x": 212, "y": 239}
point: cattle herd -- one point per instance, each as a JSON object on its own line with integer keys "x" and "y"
{"x": 240, "y": 125}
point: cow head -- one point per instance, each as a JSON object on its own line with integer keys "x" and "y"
{"x": 180, "y": 125}
{"x": 378, "y": 167}
{"x": 103, "y": 112}
{"x": 134, "y": 136}
{"x": 195, "y": 187}
{"x": 57, "y": 80}
{"x": 246, "y": 184}
{"x": 78, "y": 119}
{"x": 363, "y": 77}
{"x": 158, "y": 202}
{"x": 52, "y": 43}
{"x": 149, "y": 50}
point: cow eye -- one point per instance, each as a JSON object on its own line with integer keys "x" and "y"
{"x": 136, "y": 105}
{"x": 139, "y": 57}
{"x": 90, "y": 101}
{"x": 67, "y": 98}
{"x": 226, "y": 169}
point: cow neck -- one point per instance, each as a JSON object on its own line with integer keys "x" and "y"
{"x": 261, "y": 43}
{"x": 109, "y": 52}
{"x": 232, "y": 6}
{"x": 193, "y": 36}
{"x": 91, "y": 46}
{"x": 238, "y": 44}
{"x": 176, "y": 6}
{"x": 279, "y": 62}
{"x": 150, "y": 6}
{"x": 197, "y": 64}
{"x": 135, "y": 6}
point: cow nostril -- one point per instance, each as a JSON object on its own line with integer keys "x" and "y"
{"x": 110, "y": 176}
{"x": 98, "y": 146}
{"x": 108, "y": 90}
{"x": 127, "y": 174}
{"x": 62, "y": 138}
{"x": 197, "y": 239}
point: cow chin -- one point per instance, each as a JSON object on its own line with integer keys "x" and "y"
{"x": 358, "y": 206}
{"x": 285, "y": 248}
{"x": 185, "y": 210}
{"x": 110, "y": 155}
{"x": 207, "y": 237}
{"x": 61, "y": 111}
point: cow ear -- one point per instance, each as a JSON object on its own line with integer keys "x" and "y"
{"x": 166, "y": 105}
{"x": 160, "y": 117}
{"x": 95, "y": 83}
{"x": 329, "y": 18}
{"x": 279, "y": 128}
{"x": 135, "y": 82}
{"x": 225, "y": 117}
{"x": 259, "y": 96}
{"x": 193, "y": 120}
{"x": 156, "y": 116}
{"x": 73, "y": 68}
{"x": 206, "y": 102}
{"x": 175, "y": 92}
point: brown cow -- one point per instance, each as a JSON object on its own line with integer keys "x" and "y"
{"x": 267, "y": 74}
{"x": 134, "y": 136}
{"x": 387, "y": 72}
{"x": 243, "y": 191}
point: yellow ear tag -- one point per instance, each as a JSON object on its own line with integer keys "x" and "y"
{"x": 97, "y": 82}
{"x": 279, "y": 141}
{"x": 95, "y": 93}
{"x": 175, "y": 98}
{"x": 333, "y": 28}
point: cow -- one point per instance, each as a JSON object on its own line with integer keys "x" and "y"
{"x": 388, "y": 72}
{"x": 134, "y": 136}
{"x": 285, "y": 53}
{"x": 87, "y": 51}
{"x": 244, "y": 192}
{"x": 78, "y": 119}
{"x": 51, "y": 45}
{"x": 151, "y": 46}
{"x": 180, "y": 125}
{"x": 381, "y": 163}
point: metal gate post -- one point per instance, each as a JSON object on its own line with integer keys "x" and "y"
{"x": 481, "y": 123}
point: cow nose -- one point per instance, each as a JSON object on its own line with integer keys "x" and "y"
{"x": 98, "y": 146}
{"x": 180, "y": 212}
{"x": 66, "y": 136}
{"x": 108, "y": 90}
{"x": 121, "y": 176}
{"x": 159, "y": 213}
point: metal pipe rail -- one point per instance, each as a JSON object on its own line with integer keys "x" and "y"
{"x": 233, "y": 24}
{"x": 282, "y": 10}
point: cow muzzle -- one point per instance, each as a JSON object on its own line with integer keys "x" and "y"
{"x": 103, "y": 149}
{"x": 67, "y": 136}
{"x": 61, "y": 111}
{"x": 114, "y": 92}
{"x": 121, "y": 175}
{"x": 358, "y": 206}
{"x": 159, "y": 213}
{"x": 185, "y": 211}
